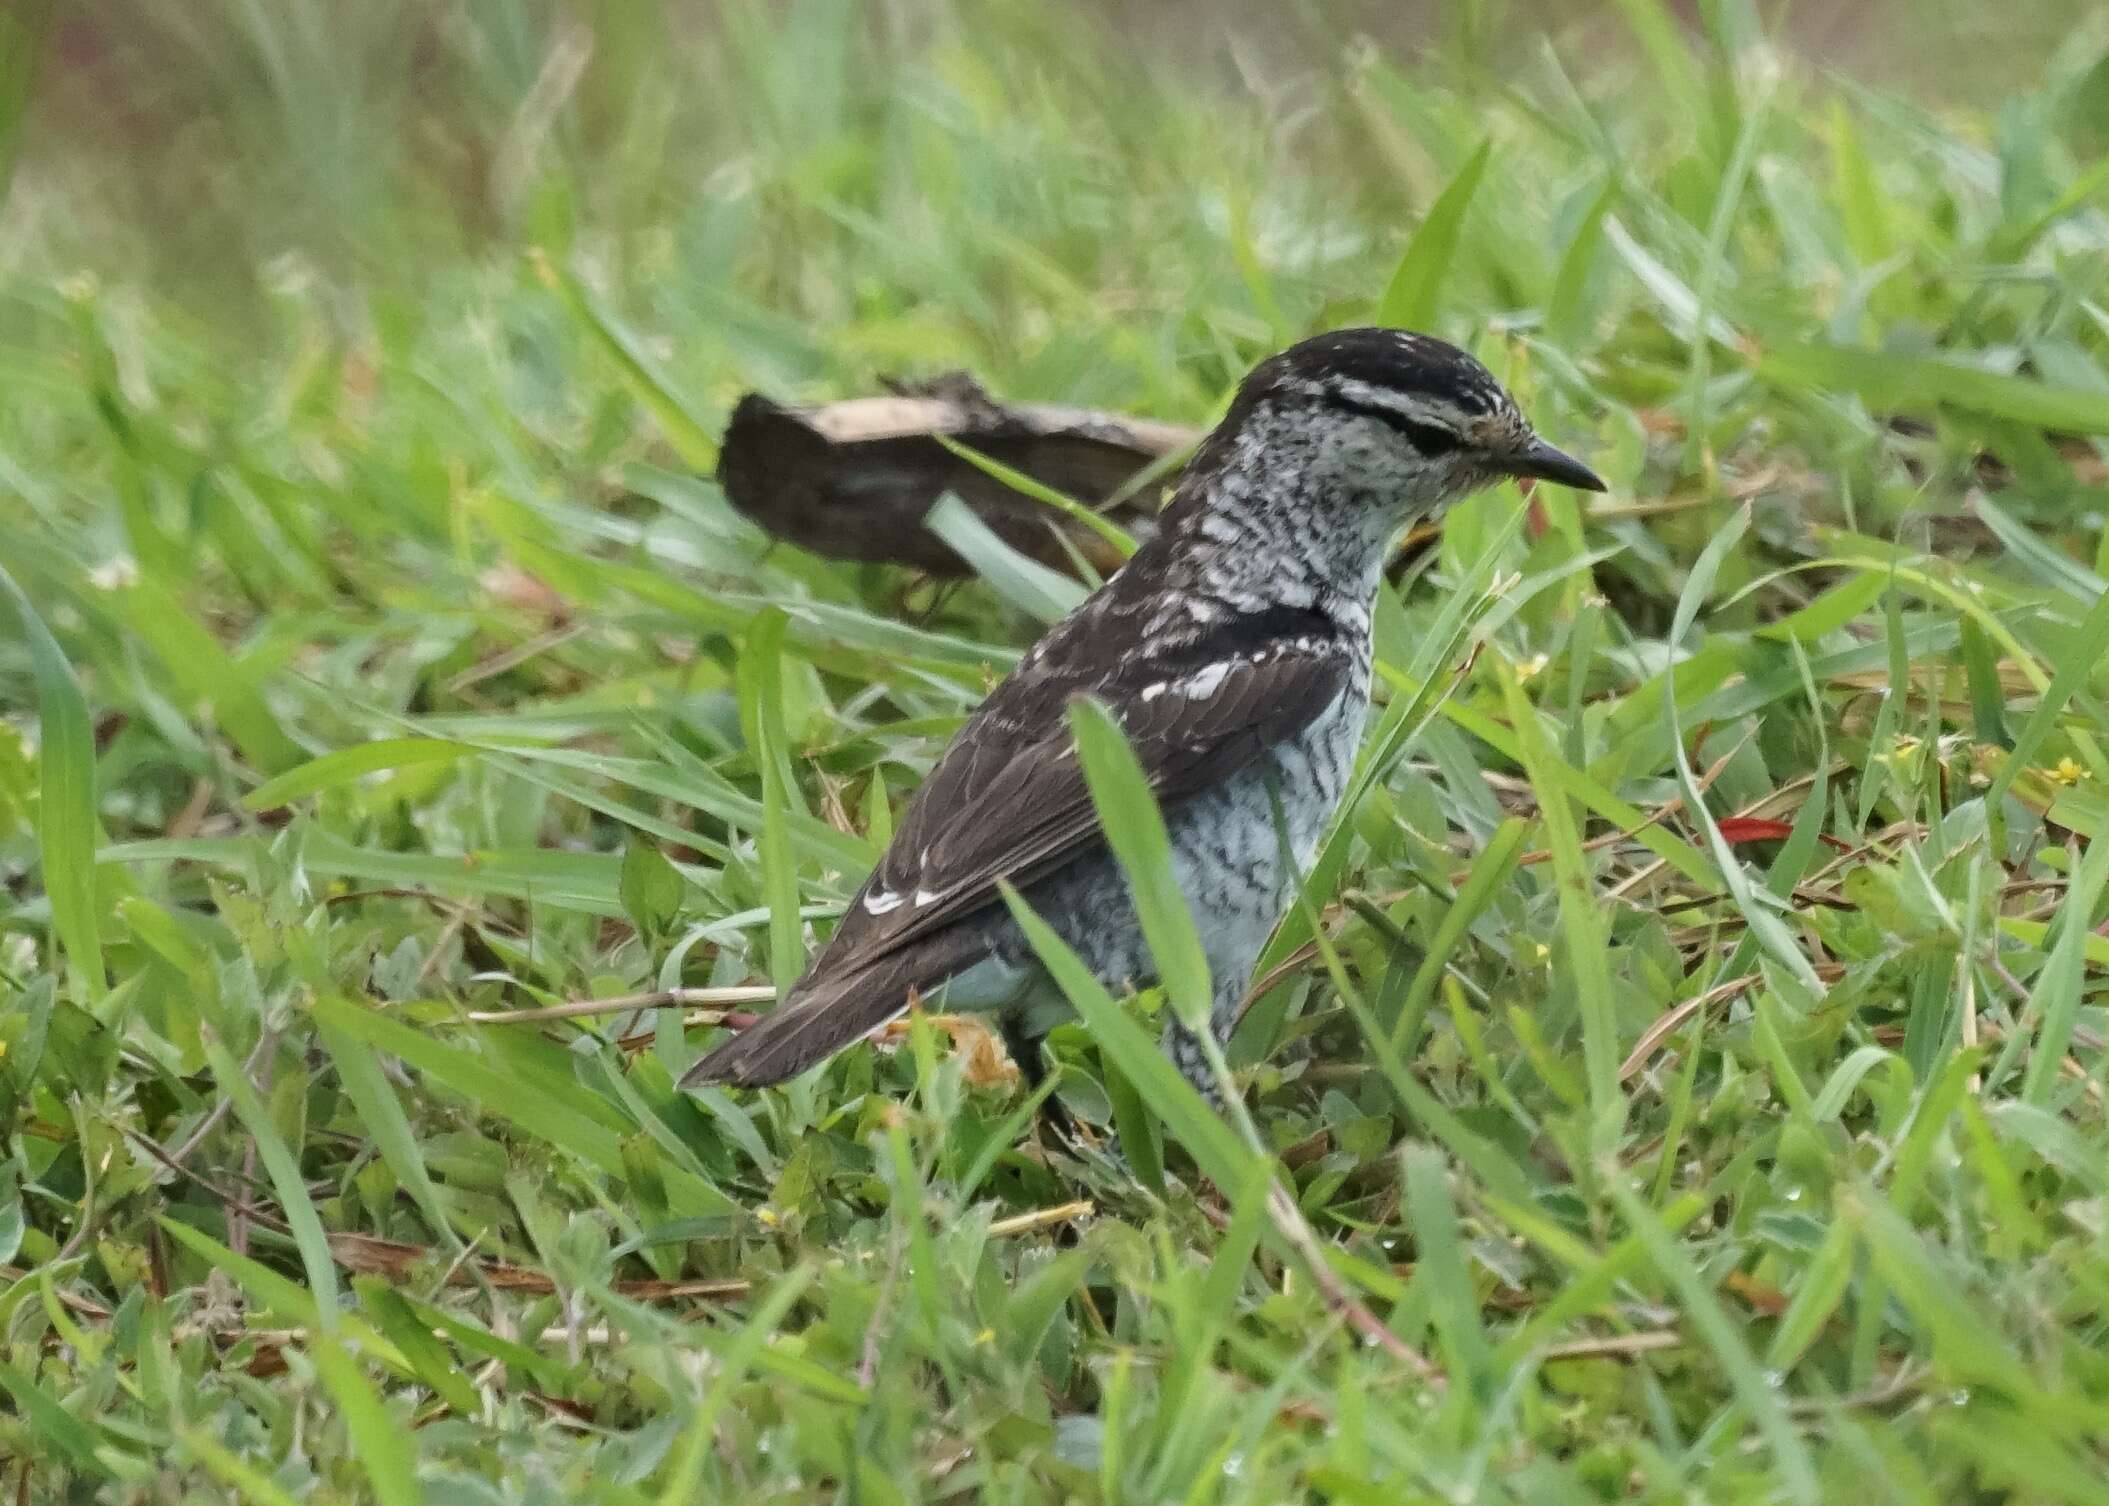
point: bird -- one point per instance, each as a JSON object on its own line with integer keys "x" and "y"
{"x": 1233, "y": 649}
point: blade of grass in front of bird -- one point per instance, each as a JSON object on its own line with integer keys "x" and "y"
{"x": 67, "y": 831}
{"x": 1116, "y": 537}
{"x": 1135, "y": 830}
{"x": 1044, "y": 594}
{"x": 1463, "y": 610}
{"x": 1218, "y": 1151}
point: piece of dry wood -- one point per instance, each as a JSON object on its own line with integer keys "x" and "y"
{"x": 852, "y": 480}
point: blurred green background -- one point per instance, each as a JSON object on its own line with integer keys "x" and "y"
{"x": 192, "y": 142}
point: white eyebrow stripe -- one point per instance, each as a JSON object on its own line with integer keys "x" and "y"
{"x": 1409, "y": 406}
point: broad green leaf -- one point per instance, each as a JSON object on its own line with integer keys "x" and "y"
{"x": 651, "y": 888}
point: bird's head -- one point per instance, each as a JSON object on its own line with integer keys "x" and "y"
{"x": 1409, "y": 419}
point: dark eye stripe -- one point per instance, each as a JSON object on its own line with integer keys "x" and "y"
{"x": 1429, "y": 439}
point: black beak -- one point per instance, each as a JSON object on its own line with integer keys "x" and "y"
{"x": 1539, "y": 459}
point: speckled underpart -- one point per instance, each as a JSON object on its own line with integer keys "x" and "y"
{"x": 1234, "y": 648}
{"x": 1233, "y": 865}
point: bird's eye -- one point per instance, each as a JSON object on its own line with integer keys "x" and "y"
{"x": 1430, "y": 439}
{"x": 1427, "y": 438}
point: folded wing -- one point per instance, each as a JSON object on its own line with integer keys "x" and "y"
{"x": 1008, "y": 802}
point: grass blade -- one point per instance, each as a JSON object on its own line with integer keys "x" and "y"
{"x": 67, "y": 835}
{"x": 286, "y": 1181}
{"x": 1134, "y": 828}
{"x": 1760, "y": 1401}
{"x": 1414, "y": 294}
{"x": 382, "y": 1445}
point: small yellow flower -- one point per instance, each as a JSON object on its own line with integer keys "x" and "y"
{"x": 767, "y": 1216}
{"x": 1531, "y": 668}
{"x": 2067, "y": 771}
{"x": 1542, "y": 950}
{"x": 986, "y": 1336}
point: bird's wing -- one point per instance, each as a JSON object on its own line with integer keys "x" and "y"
{"x": 1008, "y": 802}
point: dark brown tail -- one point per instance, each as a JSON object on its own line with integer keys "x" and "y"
{"x": 817, "y": 1019}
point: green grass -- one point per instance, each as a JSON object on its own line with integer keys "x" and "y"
{"x": 1683, "y": 1082}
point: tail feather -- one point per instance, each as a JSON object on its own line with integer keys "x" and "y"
{"x": 819, "y": 1017}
